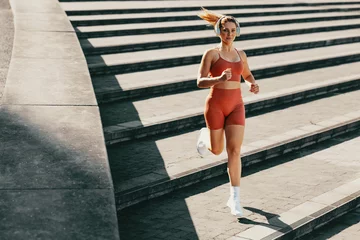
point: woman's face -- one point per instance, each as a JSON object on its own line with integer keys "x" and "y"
{"x": 228, "y": 32}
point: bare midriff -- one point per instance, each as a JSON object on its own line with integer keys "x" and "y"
{"x": 228, "y": 85}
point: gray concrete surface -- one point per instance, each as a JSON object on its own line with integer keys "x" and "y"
{"x": 210, "y": 33}
{"x": 171, "y": 4}
{"x": 44, "y": 147}
{"x": 53, "y": 81}
{"x": 167, "y": 155}
{"x": 267, "y": 191}
{"x": 180, "y": 104}
{"x": 346, "y": 227}
{"x": 6, "y": 41}
{"x": 199, "y": 22}
{"x": 55, "y": 178}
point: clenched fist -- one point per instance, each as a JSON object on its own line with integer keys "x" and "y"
{"x": 254, "y": 88}
{"x": 226, "y": 75}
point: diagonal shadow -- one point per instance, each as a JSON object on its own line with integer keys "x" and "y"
{"x": 134, "y": 164}
{"x": 273, "y": 219}
{"x": 139, "y": 162}
{"x": 160, "y": 217}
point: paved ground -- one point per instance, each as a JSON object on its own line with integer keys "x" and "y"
{"x": 6, "y": 41}
{"x": 199, "y": 211}
{"x": 345, "y": 228}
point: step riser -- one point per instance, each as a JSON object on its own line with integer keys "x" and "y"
{"x": 210, "y": 40}
{"x": 146, "y": 91}
{"x": 303, "y": 227}
{"x": 126, "y": 199}
{"x": 197, "y": 121}
{"x": 99, "y": 22}
{"x": 184, "y": 9}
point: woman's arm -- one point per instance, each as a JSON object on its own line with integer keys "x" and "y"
{"x": 203, "y": 80}
{"x": 247, "y": 75}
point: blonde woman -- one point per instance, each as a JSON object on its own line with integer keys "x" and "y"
{"x": 220, "y": 70}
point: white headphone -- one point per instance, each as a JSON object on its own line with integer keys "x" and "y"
{"x": 217, "y": 27}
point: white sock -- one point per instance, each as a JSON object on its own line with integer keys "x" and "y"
{"x": 235, "y": 191}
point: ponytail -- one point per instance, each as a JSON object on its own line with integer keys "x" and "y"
{"x": 209, "y": 16}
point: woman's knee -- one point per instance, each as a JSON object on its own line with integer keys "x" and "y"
{"x": 217, "y": 150}
{"x": 233, "y": 151}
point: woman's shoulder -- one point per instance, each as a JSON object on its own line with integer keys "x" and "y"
{"x": 242, "y": 54}
{"x": 211, "y": 54}
{"x": 211, "y": 51}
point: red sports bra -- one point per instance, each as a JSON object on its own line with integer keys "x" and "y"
{"x": 221, "y": 64}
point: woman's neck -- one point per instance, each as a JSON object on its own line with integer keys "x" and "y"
{"x": 225, "y": 47}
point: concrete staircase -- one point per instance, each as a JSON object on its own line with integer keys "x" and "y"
{"x": 143, "y": 59}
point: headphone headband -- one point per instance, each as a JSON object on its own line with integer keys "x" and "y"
{"x": 217, "y": 26}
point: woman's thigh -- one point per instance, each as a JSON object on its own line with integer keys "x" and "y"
{"x": 217, "y": 141}
{"x": 234, "y": 137}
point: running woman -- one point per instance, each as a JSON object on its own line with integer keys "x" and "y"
{"x": 220, "y": 70}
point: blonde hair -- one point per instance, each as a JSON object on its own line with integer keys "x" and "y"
{"x": 209, "y": 16}
{"x": 212, "y": 17}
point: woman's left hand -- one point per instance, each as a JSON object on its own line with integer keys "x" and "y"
{"x": 254, "y": 88}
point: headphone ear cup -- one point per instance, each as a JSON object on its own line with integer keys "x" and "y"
{"x": 238, "y": 29}
{"x": 217, "y": 27}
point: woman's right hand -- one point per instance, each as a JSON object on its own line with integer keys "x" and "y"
{"x": 226, "y": 75}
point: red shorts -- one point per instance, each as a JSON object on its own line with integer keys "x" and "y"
{"x": 224, "y": 107}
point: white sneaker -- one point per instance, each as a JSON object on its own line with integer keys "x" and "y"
{"x": 234, "y": 202}
{"x": 203, "y": 141}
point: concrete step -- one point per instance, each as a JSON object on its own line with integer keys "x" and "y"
{"x": 96, "y": 34}
{"x": 271, "y": 65}
{"x": 93, "y": 47}
{"x": 135, "y": 7}
{"x": 143, "y": 109}
{"x": 344, "y": 227}
{"x": 282, "y": 199}
{"x": 93, "y": 20}
{"x": 126, "y": 86}
{"x": 162, "y": 164}
{"x": 112, "y": 64}
{"x": 196, "y": 25}
{"x": 163, "y": 58}
{"x": 183, "y": 111}
{"x": 141, "y": 163}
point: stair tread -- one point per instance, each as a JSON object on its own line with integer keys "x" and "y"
{"x": 195, "y": 13}
{"x": 148, "y": 38}
{"x": 100, "y": 5}
{"x": 269, "y": 60}
{"x": 198, "y": 50}
{"x": 200, "y": 22}
{"x": 178, "y": 74}
{"x": 167, "y": 156}
{"x": 183, "y": 103}
{"x": 268, "y": 194}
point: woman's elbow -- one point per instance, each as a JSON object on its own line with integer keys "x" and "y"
{"x": 199, "y": 83}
